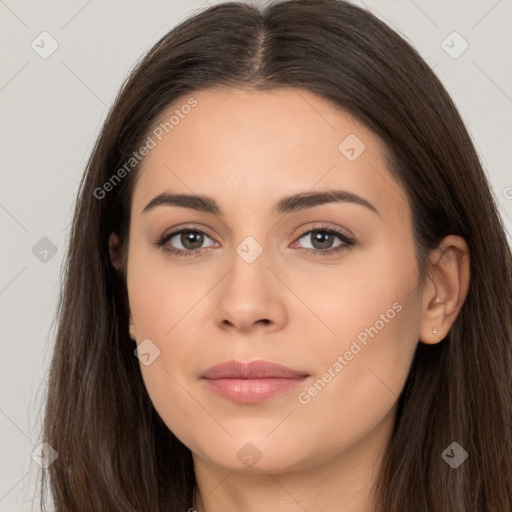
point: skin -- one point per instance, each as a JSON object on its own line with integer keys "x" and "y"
{"x": 247, "y": 150}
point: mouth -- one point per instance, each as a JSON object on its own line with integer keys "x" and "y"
{"x": 251, "y": 382}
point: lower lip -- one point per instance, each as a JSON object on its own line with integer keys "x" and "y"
{"x": 251, "y": 391}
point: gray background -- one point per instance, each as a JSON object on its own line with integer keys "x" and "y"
{"x": 52, "y": 110}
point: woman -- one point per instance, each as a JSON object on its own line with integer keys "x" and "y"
{"x": 367, "y": 370}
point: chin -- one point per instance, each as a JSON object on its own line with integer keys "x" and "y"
{"x": 254, "y": 454}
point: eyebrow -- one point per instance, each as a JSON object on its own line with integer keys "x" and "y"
{"x": 295, "y": 202}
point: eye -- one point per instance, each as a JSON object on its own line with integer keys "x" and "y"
{"x": 322, "y": 239}
{"x": 192, "y": 240}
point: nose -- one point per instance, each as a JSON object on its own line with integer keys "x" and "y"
{"x": 251, "y": 297}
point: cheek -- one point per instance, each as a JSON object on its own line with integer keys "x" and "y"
{"x": 372, "y": 297}
{"x": 161, "y": 293}
{"x": 363, "y": 367}
{"x": 361, "y": 373}
{"x": 165, "y": 304}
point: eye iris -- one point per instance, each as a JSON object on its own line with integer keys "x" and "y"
{"x": 193, "y": 237}
{"x": 323, "y": 237}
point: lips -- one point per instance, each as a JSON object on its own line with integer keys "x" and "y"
{"x": 253, "y": 370}
{"x": 252, "y": 382}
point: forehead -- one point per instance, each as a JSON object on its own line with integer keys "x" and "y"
{"x": 249, "y": 148}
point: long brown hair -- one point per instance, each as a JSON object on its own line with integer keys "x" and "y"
{"x": 114, "y": 451}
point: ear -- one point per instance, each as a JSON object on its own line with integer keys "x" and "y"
{"x": 113, "y": 245}
{"x": 131, "y": 329}
{"x": 115, "y": 258}
{"x": 446, "y": 288}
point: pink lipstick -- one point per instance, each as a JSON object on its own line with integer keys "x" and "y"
{"x": 251, "y": 382}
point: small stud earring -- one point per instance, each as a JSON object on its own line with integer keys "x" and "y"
{"x": 434, "y": 331}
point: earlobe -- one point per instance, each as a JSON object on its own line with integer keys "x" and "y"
{"x": 131, "y": 328}
{"x": 446, "y": 290}
{"x": 132, "y": 332}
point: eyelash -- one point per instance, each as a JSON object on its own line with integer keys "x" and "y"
{"x": 347, "y": 242}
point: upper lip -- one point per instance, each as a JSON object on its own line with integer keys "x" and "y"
{"x": 252, "y": 370}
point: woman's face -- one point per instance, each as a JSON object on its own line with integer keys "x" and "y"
{"x": 345, "y": 319}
